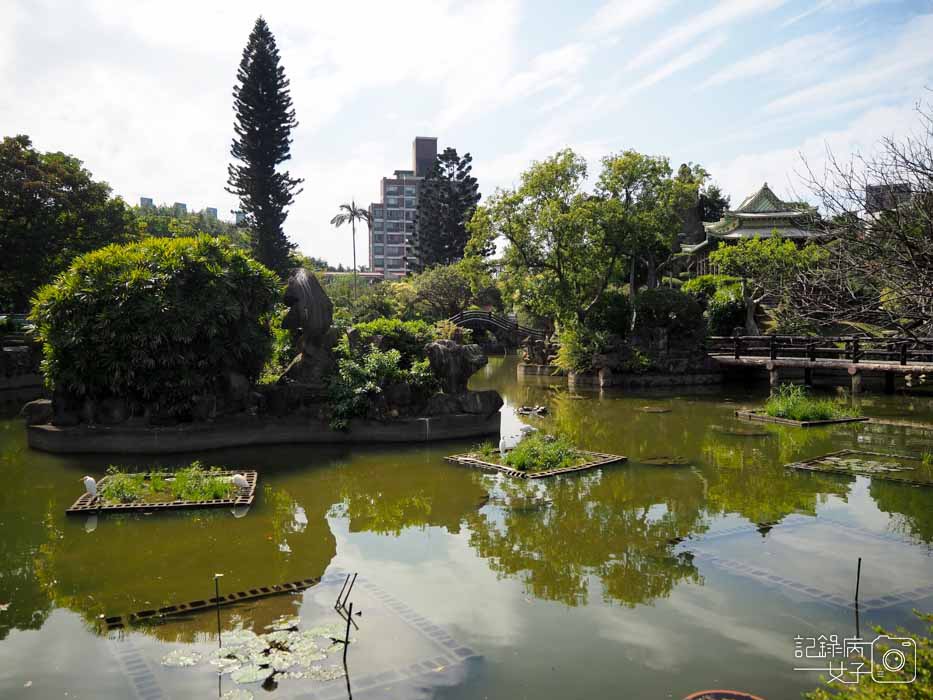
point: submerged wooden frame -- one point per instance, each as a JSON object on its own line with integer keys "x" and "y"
{"x": 93, "y": 504}
{"x": 599, "y": 459}
{"x": 762, "y": 417}
{"x": 813, "y": 465}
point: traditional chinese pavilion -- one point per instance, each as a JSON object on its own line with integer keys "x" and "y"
{"x": 762, "y": 214}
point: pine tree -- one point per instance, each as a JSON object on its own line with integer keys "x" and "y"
{"x": 264, "y": 120}
{"x": 447, "y": 200}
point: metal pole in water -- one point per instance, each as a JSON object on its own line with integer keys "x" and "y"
{"x": 346, "y": 642}
{"x": 217, "y": 578}
{"x": 858, "y": 579}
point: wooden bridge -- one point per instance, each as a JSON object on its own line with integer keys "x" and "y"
{"x": 497, "y": 322}
{"x": 855, "y": 354}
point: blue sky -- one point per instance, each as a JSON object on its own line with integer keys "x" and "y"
{"x": 141, "y": 90}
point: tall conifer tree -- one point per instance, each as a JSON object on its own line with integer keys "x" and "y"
{"x": 264, "y": 120}
{"x": 448, "y": 198}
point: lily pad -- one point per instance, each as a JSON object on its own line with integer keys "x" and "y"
{"x": 325, "y": 673}
{"x": 287, "y": 622}
{"x": 654, "y": 409}
{"x": 251, "y": 674}
{"x": 180, "y": 658}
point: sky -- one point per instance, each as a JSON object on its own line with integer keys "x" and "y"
{"x": 140, "y": 90}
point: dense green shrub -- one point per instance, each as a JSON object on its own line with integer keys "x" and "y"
{"x": 159, "y": 322}
{"x": 725, "y": 311}
{"x": 448, "y": 330}
{"x": 359, "y": 382}
{"x": 612, "y": 313}
{"x": 578, "y": 346}
{"x": 671, "y": 309}
{"x": 408, "y": 337}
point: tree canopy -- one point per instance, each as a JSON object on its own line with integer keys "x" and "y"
{"x": 766, "y": 266}
{"x": 264, "y": 121}
{"x": 446, "y": 201}
{"x": 51, "y": 210}
{"x": 566, "y": 246}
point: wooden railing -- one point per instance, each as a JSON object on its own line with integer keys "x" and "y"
{"x": 852, "y": 349}
{"x": 490, "y": 319}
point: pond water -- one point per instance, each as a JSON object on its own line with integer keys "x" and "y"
{"x": 694, "y": 565}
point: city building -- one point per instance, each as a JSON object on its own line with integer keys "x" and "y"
{"x": 239, "y": 217}
{"x": 181, "y": 209}
{"x": 145, "y": 202}
{"x": 393, "y": 217}
{"x": 210, "y": 212}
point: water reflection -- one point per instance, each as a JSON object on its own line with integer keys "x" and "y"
{"x": 620, "y": 526}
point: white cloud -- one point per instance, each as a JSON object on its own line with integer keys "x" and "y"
{"x": 906, "y": 61}
{"x": 786, "y": 59}
{"x": 724, "y": 13}
{"x": 683, "y": 61}
{"x": 619, "y": 14}
{"x": 783, "y": 168}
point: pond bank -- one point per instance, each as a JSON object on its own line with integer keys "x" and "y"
{"x": 245, "y": 431}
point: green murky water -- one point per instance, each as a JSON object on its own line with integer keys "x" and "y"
{"x": 692, "y": 566}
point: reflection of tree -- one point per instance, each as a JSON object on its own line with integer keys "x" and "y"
{"x": 385, "y": 495}
{"x": 617, "y": 526}
{"x": 750, "y": 478}
{"x": 909, "y": 507}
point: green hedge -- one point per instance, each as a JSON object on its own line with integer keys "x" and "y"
{"x": 159, "y": 322}
{"x": 705, "y": 286}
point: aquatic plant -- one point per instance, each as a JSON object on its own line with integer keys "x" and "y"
{"x": 792, "y": 401}
{"x": 192, "y": 483}
{"x": 195, "y": 483}
{"x": 539, "y": 452}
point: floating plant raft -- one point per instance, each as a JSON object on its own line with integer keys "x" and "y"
{"x": 878, "y": 465}
{"x": 94, "y": 504}
{"x": 155, "y": 615}
{"x": 593, "y": 460}
{"x": 762, "y": 417}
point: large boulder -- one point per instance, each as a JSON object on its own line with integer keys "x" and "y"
{"x": 311, "y": 312}
{"x": 454, "y": 364}
{"x": 38, "y": 412}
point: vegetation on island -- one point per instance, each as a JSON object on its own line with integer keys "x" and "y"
{"x": 536, "y": 452}
{"x": 160, "y": 322}
{"x": 792, "y": 401}
{"x": 192, "y": 483}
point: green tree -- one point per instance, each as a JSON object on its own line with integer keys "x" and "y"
{"x": 766, "y": 266}
{"x": 447, "y": 200}
{"x": 264, "y": 120}
{"x": 163, "y": 221}
{"x": 51, "y": 210}
{"x": 652, "y": 205}
{"x": 350, "y": 214}
{"x": 563, "y": 244}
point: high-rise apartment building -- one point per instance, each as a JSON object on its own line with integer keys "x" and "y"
{"x": 393, "y": 218}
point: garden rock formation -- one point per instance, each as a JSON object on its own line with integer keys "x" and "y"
{"x": 311, "y": 312}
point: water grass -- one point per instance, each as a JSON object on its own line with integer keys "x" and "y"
{"x": 792, "y": 401}
{"x": 535, "y": 453}
{"x": 191, "y": 483}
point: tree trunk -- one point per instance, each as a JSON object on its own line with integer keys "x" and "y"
{"x": 355, "y": 290}
{"x": 652, "y": 281}
{"x": 751, "y": 327}
{"x": 631, "y": 279}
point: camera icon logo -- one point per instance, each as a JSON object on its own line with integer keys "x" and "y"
{"x": 893, "y": 659}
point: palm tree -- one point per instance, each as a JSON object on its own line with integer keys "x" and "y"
{"x": 351, "y": 213}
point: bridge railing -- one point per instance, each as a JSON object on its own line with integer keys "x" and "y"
{"x": 490, "y": 318}
{"x": 853, "y": 348}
